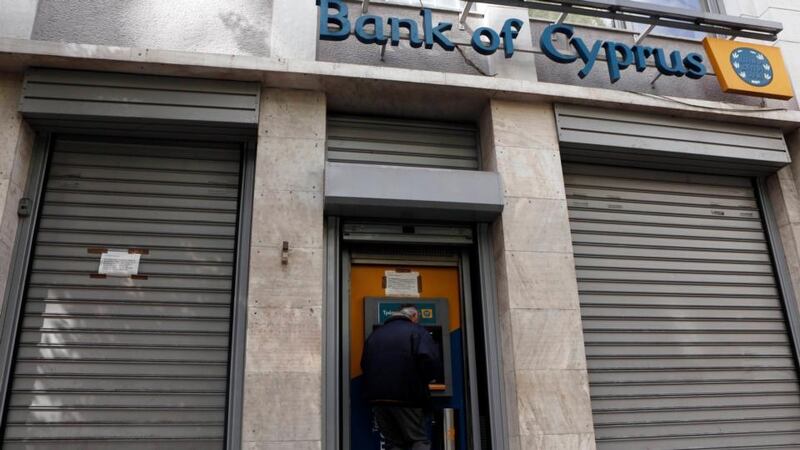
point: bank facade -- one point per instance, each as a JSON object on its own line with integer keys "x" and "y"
{"x": 207, "y": 208}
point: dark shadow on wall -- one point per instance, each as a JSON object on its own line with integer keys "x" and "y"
{"x": 250, "y": 39}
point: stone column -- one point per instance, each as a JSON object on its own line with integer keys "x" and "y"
{"x": 785, "y": 200}
{"x": 283, "y": 385}
{"x": 543, "y": 351}
{"x": 16, "y": 144}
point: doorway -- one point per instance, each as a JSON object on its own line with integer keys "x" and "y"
{"x": 438, "y": 299}
{"x": 381, "y": 271}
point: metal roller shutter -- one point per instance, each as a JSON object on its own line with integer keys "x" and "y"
{"x": 686, "y": 336}
{"x": 77, "y": 98}
{"x": 128, "y": 363}
{"x": 641, "y": 139}
{"x": 397, "y": 142}
{"x": 409, "y": 233}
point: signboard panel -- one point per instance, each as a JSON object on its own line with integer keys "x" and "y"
{"x": 749, "y": 69}
{"x": 742, "y": 68}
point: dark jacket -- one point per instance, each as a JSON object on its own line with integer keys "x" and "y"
{"x": 399, "y": 361}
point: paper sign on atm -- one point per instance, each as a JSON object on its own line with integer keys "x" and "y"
{"x": 402, "y": 284}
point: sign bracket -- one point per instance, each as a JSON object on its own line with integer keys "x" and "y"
{"x": 650, "y": 14}
{"x": 462, "y": 18}
{"x": 658, "y": 76}
{"x": 644, "y": 35}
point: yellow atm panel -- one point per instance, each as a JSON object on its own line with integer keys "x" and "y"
{"x": 437, "y": 293}
{"x": 368, "y": 281}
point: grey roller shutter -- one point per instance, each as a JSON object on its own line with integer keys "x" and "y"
{"x": 69, "y": 98}
{"x": 686, "y": 336}
{"x": 128, "y": 363}
{"x": 641, "y": 139}
{"x": 407, "y": 233}
{"x": 402, "y": 143}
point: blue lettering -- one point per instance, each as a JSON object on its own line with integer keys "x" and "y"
{"x": 695, "y": 66}
{"x": 641, "y": 54}
{"x": 484, "y": 48}
{"x": 436, "y": 34}
{"x": 546, "y": 43}
{"x": 674, "y": 68}
{"x": 618, "y": 55}
{"x": 377, "y": 36}
{"x": 615, "y": 65}
{"x": 510, "y": 31}
{"x": 342, "y": 32}
{"x": 589, "y": 57}
{"x": 334, "y": 25}
{"x": 413, "y": 31}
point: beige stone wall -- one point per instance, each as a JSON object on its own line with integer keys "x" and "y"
{"x": 16, "y": 144}
{"x": 783, "y": 193}
{"x": 283, "y": 384}
{"x": 543, "y": 354}
{"x": 547, "y": 388}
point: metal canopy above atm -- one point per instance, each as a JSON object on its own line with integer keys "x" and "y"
{"x": 362, "y": 190}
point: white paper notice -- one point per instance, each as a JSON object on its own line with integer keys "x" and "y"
{"x": 402, "y": 284}
{"x": 119, "y": 264}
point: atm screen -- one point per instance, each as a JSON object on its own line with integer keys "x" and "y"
{"x": 436, "y": 334}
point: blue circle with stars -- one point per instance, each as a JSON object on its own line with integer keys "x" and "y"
{"x": 752, "y": 66}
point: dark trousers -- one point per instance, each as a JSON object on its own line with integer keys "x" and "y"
{"x": 403, "y": 428}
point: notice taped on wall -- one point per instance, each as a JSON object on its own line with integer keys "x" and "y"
{"x": 119, "y": 264}
{"x": 402, "y": 284}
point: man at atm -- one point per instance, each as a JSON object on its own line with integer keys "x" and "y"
{"x": 399, "y": 361}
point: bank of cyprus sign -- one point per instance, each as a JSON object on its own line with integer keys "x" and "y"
{"x": 741, "y": 68}
{"x": 749, "y": 69}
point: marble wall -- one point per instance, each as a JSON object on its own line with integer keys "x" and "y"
{"x": 16, "y": 145}
{"x": 547, "y": 388}
{"x": 283, "y": 375}
{"x": 784, "y": 196}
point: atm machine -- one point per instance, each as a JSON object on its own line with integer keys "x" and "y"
{"x": 440, "y": 314}
{"x": 433, "y": 316}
